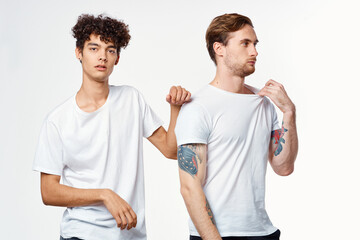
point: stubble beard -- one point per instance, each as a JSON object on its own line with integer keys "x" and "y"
{"x": 239, "y": 69}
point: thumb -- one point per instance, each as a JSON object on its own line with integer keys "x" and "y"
{"x": 168, "y": 98}
{"x": 261, "y": 93}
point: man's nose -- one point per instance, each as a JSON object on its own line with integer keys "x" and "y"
{"x": 102, "y": 56}
{"x": 253, "y": 51}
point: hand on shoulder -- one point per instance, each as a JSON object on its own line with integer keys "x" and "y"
{"x": 178, "y": 96}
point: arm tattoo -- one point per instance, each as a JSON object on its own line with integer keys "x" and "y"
{"x": 188, "y": 160}
{"x": 210, "y": 212}
{"x": 277, "y": 137}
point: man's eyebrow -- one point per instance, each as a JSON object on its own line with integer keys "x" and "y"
{"x": 248, "y": 40}
{"x": 93, "y": 44}
{"x": 97, "y": 45}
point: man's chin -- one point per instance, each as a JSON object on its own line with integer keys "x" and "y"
{"x": 247, "y": 72}
{"x": 100, "y": 79}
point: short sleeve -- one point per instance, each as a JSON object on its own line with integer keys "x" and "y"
{"x": 151, "y": 121}
{"x": 48, "y": 157}
{"x": 275, "y": 121}
{"x": 193, "y": 124}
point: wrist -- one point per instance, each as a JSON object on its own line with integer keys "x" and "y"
{"x": 291, "y": 110}
{"x": 289, "y": 116}
{"x": 103, "y": 194}
{"x": 175, "y": 107}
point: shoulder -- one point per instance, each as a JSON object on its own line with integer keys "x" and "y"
{"x": 193, "y": 106}
{"x": 201, "y": 98}
{"x": 61, "y": 111}
{"x": 124, "y": 89}
{"x": 125, "y": 93}
{"x": 194, "y": 111}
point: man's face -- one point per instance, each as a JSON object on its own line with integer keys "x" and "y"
{"x": 98, "y": 58}
{"x": 239, "y": 55}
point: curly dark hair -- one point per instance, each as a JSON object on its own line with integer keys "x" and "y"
{"x": 109, "y": 30}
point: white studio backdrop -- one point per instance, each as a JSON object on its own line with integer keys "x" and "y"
{"x": 312, "y": 47}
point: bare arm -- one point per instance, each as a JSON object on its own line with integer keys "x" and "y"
{"x": 192, "y": 169}
{"x": 166, "y": 141}
{"x": 284, "y": 142}
{"x": 56, "y": 194}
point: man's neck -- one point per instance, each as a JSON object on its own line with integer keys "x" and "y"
{"x": 92, "y": 95}
{"x": 227, "y": 81}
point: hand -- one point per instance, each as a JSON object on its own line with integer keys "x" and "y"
{"x": 276, "y": 92}
{"x": 178, "y": 96}
{"x": 120, "y": 210}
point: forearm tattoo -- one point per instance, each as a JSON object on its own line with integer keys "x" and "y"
{"x": 210, "y": 212}
{"x": 188, "y": 160}
{"x": 277, "y": 137}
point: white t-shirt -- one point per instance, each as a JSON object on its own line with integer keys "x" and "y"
{"x": 101, "y": 149}
{"x": 236, "y": 129}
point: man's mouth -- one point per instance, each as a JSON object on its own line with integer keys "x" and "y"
{"x": 100, "y": 67}
{"x": 252, "y": 62}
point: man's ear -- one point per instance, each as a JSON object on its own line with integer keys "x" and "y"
{"x": 219, "y": 48}
{"x": 117, "y": 59}
{"x": 78, "y": 53}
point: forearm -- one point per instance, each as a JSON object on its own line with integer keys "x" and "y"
{"x": 170, "y": 136}
{"x": 200, "y": 212}
{"x": 286, "y": 151}
{"x": 56, "y": 194}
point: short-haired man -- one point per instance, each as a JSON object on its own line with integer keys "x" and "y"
{"x": 225, "y": 137}
{"x": 93, "y": 141}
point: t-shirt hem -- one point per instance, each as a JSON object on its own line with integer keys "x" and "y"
{"x": 241, "y": 234}
{"x": 190, "y": 141}
{"x": 45, "y": 170}
{"x": 153, "y": 129}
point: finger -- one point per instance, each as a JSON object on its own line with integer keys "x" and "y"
{"x": 271, "y": 88}
{"x": 172, "y": 94}
{"x": 172, "y": 90}
{"x": 188, "y": 96}
{"x": 184, "y": 95}
{"x": 262, "y": 91}
{"x": 123, "y": 221}
{"x": 179, "y": 94}
{"x": 168, "y": 98}
{"x": 278, "y": 91}
{"x": 265, "y": 92}
{"x": 133, "y": 214}
{"x": 130, "y": 220}
{"x": 274, "y": 83}
{"x": 118, "y": 220}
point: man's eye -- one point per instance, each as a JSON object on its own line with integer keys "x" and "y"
{"x": 93, "y": 49}
{"x": 112, "y": 51}
{"x": 245, "y": 44}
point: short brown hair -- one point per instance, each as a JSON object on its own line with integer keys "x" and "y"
{"x": 220, "y": 27}
{"x": 109, "y": 30}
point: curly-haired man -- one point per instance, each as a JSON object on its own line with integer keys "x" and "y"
{"x": 226, "y": 136}
{"x": 93, "y": 142}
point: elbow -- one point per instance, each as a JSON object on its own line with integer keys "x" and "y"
{"x": 45, "y": 198}
{"x": 49, "y": 189}
{"x": 47, "y": 195}
{"x": 171, "y": 155}
{"x": 285, "y": 172}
